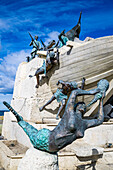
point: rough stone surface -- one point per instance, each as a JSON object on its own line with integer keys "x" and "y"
{"x": 8, "y": 159}
{"x": 27, "y": 98}
{"x": 38, "y": 160}
{"x": 86, "y": 150}
{"x": 8, "y": 128}
{"x": 99, "y": 135}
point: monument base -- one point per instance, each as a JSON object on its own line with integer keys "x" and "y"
{"x": 37, "y": 160}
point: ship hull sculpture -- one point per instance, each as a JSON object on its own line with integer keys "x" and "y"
{"x": 72, "y": 125}
{"x": 50, "y": 55}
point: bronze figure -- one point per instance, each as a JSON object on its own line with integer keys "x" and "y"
{"x": 75, "y": 31}
{"x": 62, "y": 38}
{"x": 51, "y": 45}
{"x": 71, "y": 127}
{"x": 51, "y": 59}
{"x": 61, "y": 94}
{"x": 36, "y": 46}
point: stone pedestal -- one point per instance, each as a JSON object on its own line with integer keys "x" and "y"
{"x": 38, "y": 160}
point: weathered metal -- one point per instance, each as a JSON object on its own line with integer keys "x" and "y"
{"x": 71, "y": 127}
{"x": 36, "y": 46}
{"x": 51, "y": 59}
{"x": 61, "y": 95}
{"x": 75, "y": 31}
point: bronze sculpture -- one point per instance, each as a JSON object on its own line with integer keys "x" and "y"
{"x": 71, "y": 34}
{"x": 75, "y": 31}
{"x": 36, "y": 46}
{"x": 71, "y": 127}
{"x": 63, "y": 39}
{"x": 51, "y": 45}
{"x": 51, "y": 59}
{"x": 61, "y": 94}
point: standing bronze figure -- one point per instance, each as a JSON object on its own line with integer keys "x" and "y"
{"x": 71, "y": 127}
{"x": 36, "y": 46}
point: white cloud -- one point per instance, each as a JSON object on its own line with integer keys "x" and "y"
{"x": 0, "y": 44}
{"x": 52, "y": 36}
{"x": 8, "y": 69}
{"x": 3, "y": 24}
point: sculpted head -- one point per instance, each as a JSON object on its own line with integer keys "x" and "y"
{"x": 103, "y": 85}
{"x": 80, "y": 107}
{"x": 36, "y": 37}
{"x": 74, "y": 85}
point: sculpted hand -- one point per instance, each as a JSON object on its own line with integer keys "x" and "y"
{"x": 41, "y": 108}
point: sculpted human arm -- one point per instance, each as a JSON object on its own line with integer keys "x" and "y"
{"x": 78, "y": 92}
{"x": 31, "y": 43}
{"x": 84, "y": 92}
{"x": 100, "y": 119}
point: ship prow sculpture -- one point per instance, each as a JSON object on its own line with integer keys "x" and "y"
{"x": 91, "y": 59}
{"x": 67, "y": 80}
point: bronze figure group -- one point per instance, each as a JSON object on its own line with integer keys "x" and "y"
{"x": 72, "y": 124}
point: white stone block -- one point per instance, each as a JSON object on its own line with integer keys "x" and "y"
{"x": 38, "y": 160}
{"x": 8, "y": 128}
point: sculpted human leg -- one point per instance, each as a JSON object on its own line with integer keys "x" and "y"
{"x": 63, "y": 103}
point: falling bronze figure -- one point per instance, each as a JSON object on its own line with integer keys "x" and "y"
{"x": 62, "y": 38}
{"x": 51, "y": 45}
{"x": 51, "y": 59}
{"x": 61, "y": 94}
{"x": 71, "y": 127}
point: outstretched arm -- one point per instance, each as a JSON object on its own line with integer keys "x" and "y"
{"x": 100, "y": 119}
{"x": 31, "y": 43}
{"x": 81, "y": 92}
{"x": 78, "y": 92}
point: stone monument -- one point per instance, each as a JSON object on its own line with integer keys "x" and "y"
{"x": 95, "y": 148}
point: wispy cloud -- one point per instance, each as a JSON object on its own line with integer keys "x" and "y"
{"x": 45, "y": 19}
{"x": 4, "y": 97}
{"x": 8, "y": 69}
{"x": 52, "y": 36}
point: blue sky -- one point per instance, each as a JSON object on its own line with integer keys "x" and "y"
{"x": 45, "y": 19}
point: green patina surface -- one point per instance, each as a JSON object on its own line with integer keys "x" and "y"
{"x": 44, "y": 66}
{"x": 59, "y": 95}
{"x": 39, "y": 139}
{"x": 103, "y": 86}
{"x": 65, "y": 39}
{"x": 34, "y": 45}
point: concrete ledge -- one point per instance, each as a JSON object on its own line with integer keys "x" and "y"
{"x": 10, "y": 158}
